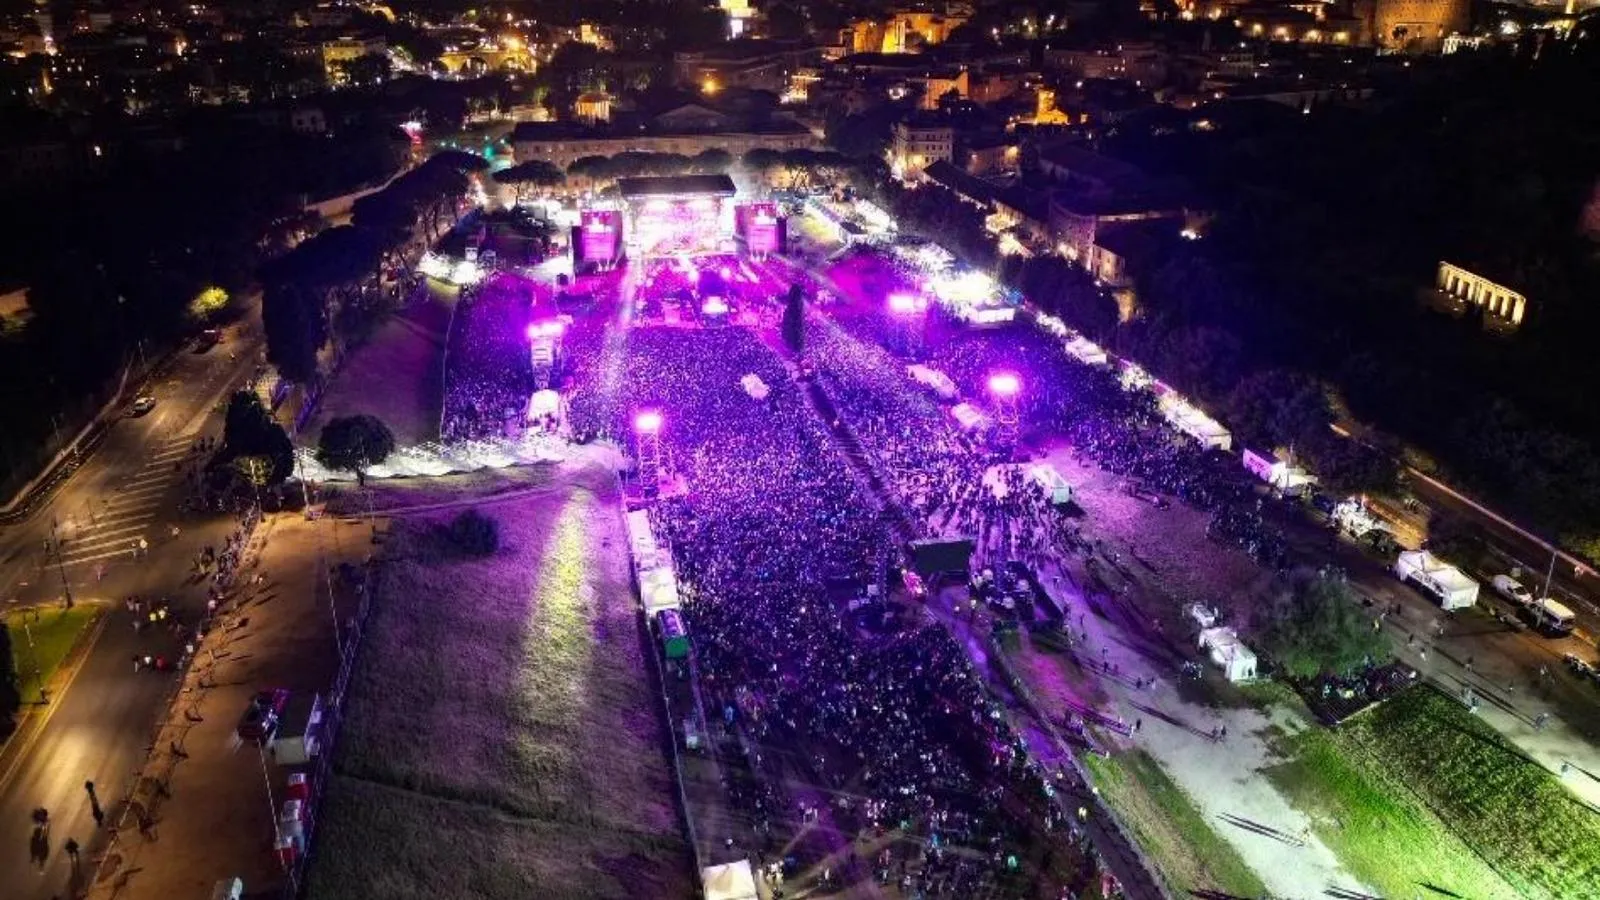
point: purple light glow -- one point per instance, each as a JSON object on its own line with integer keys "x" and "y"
{"x": 545, "y": 330}
{"x": 907, "y": 303}
{"x": 1004, "y": 384}
{"x": 714, "y": 306}
{"x": 647, "y": 422}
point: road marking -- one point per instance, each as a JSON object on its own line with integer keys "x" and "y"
{"x": 50, "y": 708}
{"x": 143, "y": 493}
{"x": 161, "y": 476}
{"x": 120, "y": 517}
{"x": 100, "y": 537}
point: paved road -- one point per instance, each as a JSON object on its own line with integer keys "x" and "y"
{"x": 101, "y": 727}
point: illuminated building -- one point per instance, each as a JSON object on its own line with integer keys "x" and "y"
{"x": 1497, "y": 300}
{"x": 917, "y": 144}
{"x": 753, "y": 64}
{"x": 338, "y": 52}
{"x": 1414, "y": 25}
{"x": 902, "y": 32}
{"x": 687, "y": 131}
{"x": 592, "y": 107}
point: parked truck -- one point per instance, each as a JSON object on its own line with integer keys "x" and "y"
{"x": 1451, "y": 587}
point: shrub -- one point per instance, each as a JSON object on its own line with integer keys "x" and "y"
{"x": 475, "y": 534}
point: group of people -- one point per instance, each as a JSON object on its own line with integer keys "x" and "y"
{"x": 489, "y": 369}
{"x": 772, "y": 540}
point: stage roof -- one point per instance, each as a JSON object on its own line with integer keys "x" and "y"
{"x": 675, "y": 185}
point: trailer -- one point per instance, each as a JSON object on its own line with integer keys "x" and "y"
{"x": 1437, "y": 578}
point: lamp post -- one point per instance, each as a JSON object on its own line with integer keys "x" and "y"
{"x": 61, "y": 566}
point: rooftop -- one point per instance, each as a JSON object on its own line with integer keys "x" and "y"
{"x": 675, "y": 185}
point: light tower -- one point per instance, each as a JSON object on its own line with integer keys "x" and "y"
{"x": 1004, "y": 387}
{"x": 910, "y": 315}
{"x": 544, "y": 350}
{"x": 647, "y": 447}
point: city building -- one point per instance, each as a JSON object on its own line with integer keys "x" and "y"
{"x": 905, "y": 31}
{"x": 1462, "y": 285}
{"x": 688, "y": 131}
{"x": 1411, "y": 25}
{"x": 592, "y": 107}
{"x": 753, "y": 64}
{"x": 341, "y": 51}
{"x": 917, "y": 143}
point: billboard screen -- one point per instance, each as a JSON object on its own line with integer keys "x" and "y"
{"x": 602, "y": 235}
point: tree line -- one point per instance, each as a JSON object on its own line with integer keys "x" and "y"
{"x": 324, "y": 292}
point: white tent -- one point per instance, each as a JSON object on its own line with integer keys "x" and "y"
{"x": 968, "y": 416}
{"x": 658, "y": 589}
{"x": 755, "y": 387}
{"x": 1290, "y": 480}
{"x": 1237, "y": 661}
{"x": 729, "y": 881}
{"x": 933, "y": 380}
{"x": 1086, "y": 351}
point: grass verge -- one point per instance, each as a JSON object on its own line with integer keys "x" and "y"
{"x": 1170, "y": 828}
{"x": 1384, "y": 787}
{"x": 54, "y": 631}
{"x": 502, "y": 737}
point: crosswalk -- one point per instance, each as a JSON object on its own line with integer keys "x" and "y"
{"x": 113, "y": 524}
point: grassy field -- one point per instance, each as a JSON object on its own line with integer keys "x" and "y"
{"x": 55, "y": 631}
{"x": 1383, "y": 787}
{"x": 502, "y": 738}
{"x": 1170, "y": 828}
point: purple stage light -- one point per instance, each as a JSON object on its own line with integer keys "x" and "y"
{"x": 545, "y": 330}
{"x": 647, "y": 422}
{"x": 714, "y": 306}
{"x": 1004, "y": 384}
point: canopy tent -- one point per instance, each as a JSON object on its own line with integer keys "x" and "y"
{"x": 1185, "y": 417}
{"x": 755, "y": 387}
{"x": 969, "y": 417}
{"x": 1290, "y": 480}
{"x": 652, "y": 565}
{"x": 933, "y": 380}
{"x": 729, "y": 881}
{"x": 1086, "y": 351}
{"x": 1237, "y": 661}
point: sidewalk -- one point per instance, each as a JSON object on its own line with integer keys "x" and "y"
{"x": 215, "y": 798}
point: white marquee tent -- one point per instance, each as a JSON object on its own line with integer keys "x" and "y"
{"x": 1237, "y": 661}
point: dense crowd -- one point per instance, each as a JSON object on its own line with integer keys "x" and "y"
{"x": 772, "y": 523}
{"x": 488, "y": 370}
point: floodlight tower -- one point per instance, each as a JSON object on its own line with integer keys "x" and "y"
{"x": 910, "y": 315}
{"x": 1004, "y": 388}
{"x": 544, "y": 350}
{"x": 647, "y": 447}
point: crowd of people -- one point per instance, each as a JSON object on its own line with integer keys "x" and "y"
{"x": 488, "y": 368}
{"x": 772, "y": 523}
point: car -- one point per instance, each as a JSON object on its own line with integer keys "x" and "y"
{"x": 142, "y": 405}
{"x": 1512, "y": 590}
{"x": 260, "y": 718}
{"x": 207, "y": 339}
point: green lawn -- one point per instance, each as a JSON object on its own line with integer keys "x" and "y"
{"x": 1168, "y": 826}
{"x": 54, "y": 631}
{"x": 1383, "y": 787}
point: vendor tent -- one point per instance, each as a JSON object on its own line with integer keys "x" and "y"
{"x": 729, "y": 881}
{"x": 1236, "y": 661}
{"x": 933, "y": 380}
{"x": 968, "y": 416}
{"x": 755, "y": 387}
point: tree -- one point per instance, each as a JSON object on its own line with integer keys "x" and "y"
{"x": 353, "y": 443}
{"x": 460, "y": 160}
{"x": 1279, "y": 407}
{"x": 535, "y": 173}
{"x": 794, "y": 321}
{"x": 474, "y": 533}
{"x": 1314, "y": 625}
{"x": 296, "y": 328}
{"x": 711, "y": 162}
{"x": 10, "y": 689}
{"x": 367, "y": 69}
{"x": 250, "y": 432}
{"x": 1349, "y": 466}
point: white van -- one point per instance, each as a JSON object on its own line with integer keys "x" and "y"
{"x": 1512, "y": 589}
{"x": 1551, "y": 618}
